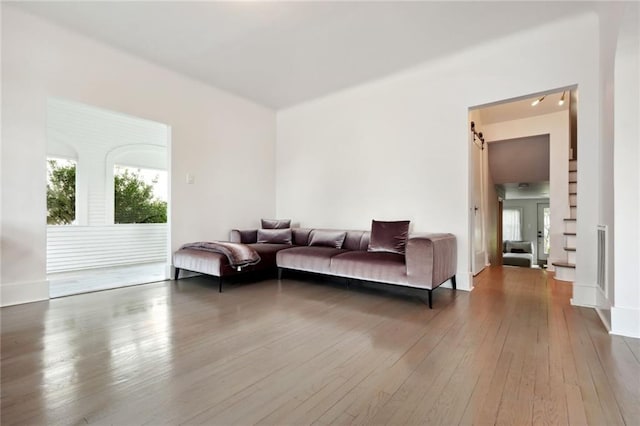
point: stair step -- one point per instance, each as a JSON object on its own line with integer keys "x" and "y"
{"x": 573, "y": 181}
{"x": 569, "y": 233}
{"x": 569, "y": 249}
{"x": 570, "y": 219}
{"x": 573, "y": 193}
{"x": 564, "y": 265}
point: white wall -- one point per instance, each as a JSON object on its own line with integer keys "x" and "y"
{"x": 226, "y": 142}
{"x": 625, "y": 313}
{"x": 556, "y": 125}
{"x": 398, "y": 147}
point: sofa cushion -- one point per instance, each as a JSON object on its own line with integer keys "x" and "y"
{"x": 200, "y": 261}
{"x": 370, "y": 266}
{"x": 301, "y": 236}
{"x": 268, "y": 252}
{"x": 389, "y": 237}
{"x": 247, "y": 236}
{"x": 327, "y": 238}
{"x": 206, "y": 262}
{"x": 312, "y": 259}
{"x": 274, "y": 236}
{"x": 356, "y": 240}
{"x": 275, "y": 223}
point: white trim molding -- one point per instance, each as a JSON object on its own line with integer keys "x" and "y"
{"x": 23, "y": 292}
{"x": 625, "y": 321}
{"x": 584, "y": 295}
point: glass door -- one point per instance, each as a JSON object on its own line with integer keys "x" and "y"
{"x": 544, "y": 232}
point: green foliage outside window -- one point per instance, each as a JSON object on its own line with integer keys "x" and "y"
{"x": 134, "y": 198}
{"x": 61, "y": 192}
{"x": 135, "y": 202}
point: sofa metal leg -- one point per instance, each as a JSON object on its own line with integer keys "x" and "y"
{"x": 279, "y": 274}
{"x": 430, "y": 300}
{"x": 176, "y": 273}
{"x": 453, "y": 282}
{"x": 220, "y": 284}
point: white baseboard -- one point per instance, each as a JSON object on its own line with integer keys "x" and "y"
{"x": 584, "y": 295}
{"x": 186, "y": 274}
{"x": 23, "y": 292}
{"x": 466, "y": 283}
{"x": 602, "y": 313}
{"x": 625, "y": 321}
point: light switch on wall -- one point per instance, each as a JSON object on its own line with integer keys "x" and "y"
{"x": 189, "y": 178}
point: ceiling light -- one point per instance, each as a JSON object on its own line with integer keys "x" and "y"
{"x": 523, "y": 185}
{"x": 561, "y": 101}
{"x": 537, "y": 101}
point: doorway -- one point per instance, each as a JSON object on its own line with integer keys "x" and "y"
{"x": 543, "y": 233}
{"x": 532, "y": 120}
{"x": 107, "y": 199}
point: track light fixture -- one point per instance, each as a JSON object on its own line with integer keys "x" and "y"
{"x": 541, "y": 98}
{"x": 561, "y": 101}
{"x": 477, "y": 136}
{"x": 537, "y": 101}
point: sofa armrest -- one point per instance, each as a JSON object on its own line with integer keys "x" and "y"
{"x": 431, "y": 259}
{"x": 244, "y": 236}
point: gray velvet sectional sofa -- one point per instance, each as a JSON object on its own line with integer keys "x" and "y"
{"x": 425, "y": 261}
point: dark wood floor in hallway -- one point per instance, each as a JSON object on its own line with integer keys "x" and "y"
{"x": 310, "y": 351}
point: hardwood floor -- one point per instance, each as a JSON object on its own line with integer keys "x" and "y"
{"x": 310, "y": 351}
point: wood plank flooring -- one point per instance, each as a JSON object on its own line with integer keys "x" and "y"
{"x": 310, "y": 351}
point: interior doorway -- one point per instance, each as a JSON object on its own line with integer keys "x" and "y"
{"x": 520, "y": 150}
{"x": 107, "y": 199}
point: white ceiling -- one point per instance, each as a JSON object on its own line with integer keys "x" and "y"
{"x": 283, "y": 53}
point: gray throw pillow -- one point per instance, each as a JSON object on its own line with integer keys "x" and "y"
{"x": 274, "y": 236}
{"x": 390, "y": 237}
{"x": 275, "y": 223}
{"x": 325, "y": 238}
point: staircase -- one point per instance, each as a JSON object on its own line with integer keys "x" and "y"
{"x": 566, "y": 271}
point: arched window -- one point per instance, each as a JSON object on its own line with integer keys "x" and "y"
{"x": 61, "y": 191}
{"x": 140, "y": 195}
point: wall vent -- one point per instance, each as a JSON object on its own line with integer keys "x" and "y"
{"x": 602, "y": 258}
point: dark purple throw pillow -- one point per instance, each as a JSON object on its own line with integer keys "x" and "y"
{"x": 275, "y": 223}
{"x": 389, "y": 237}
{"x": 248, "y": 236}
{"x": 274, "y": 236}
{"x": 326, "y": 238}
